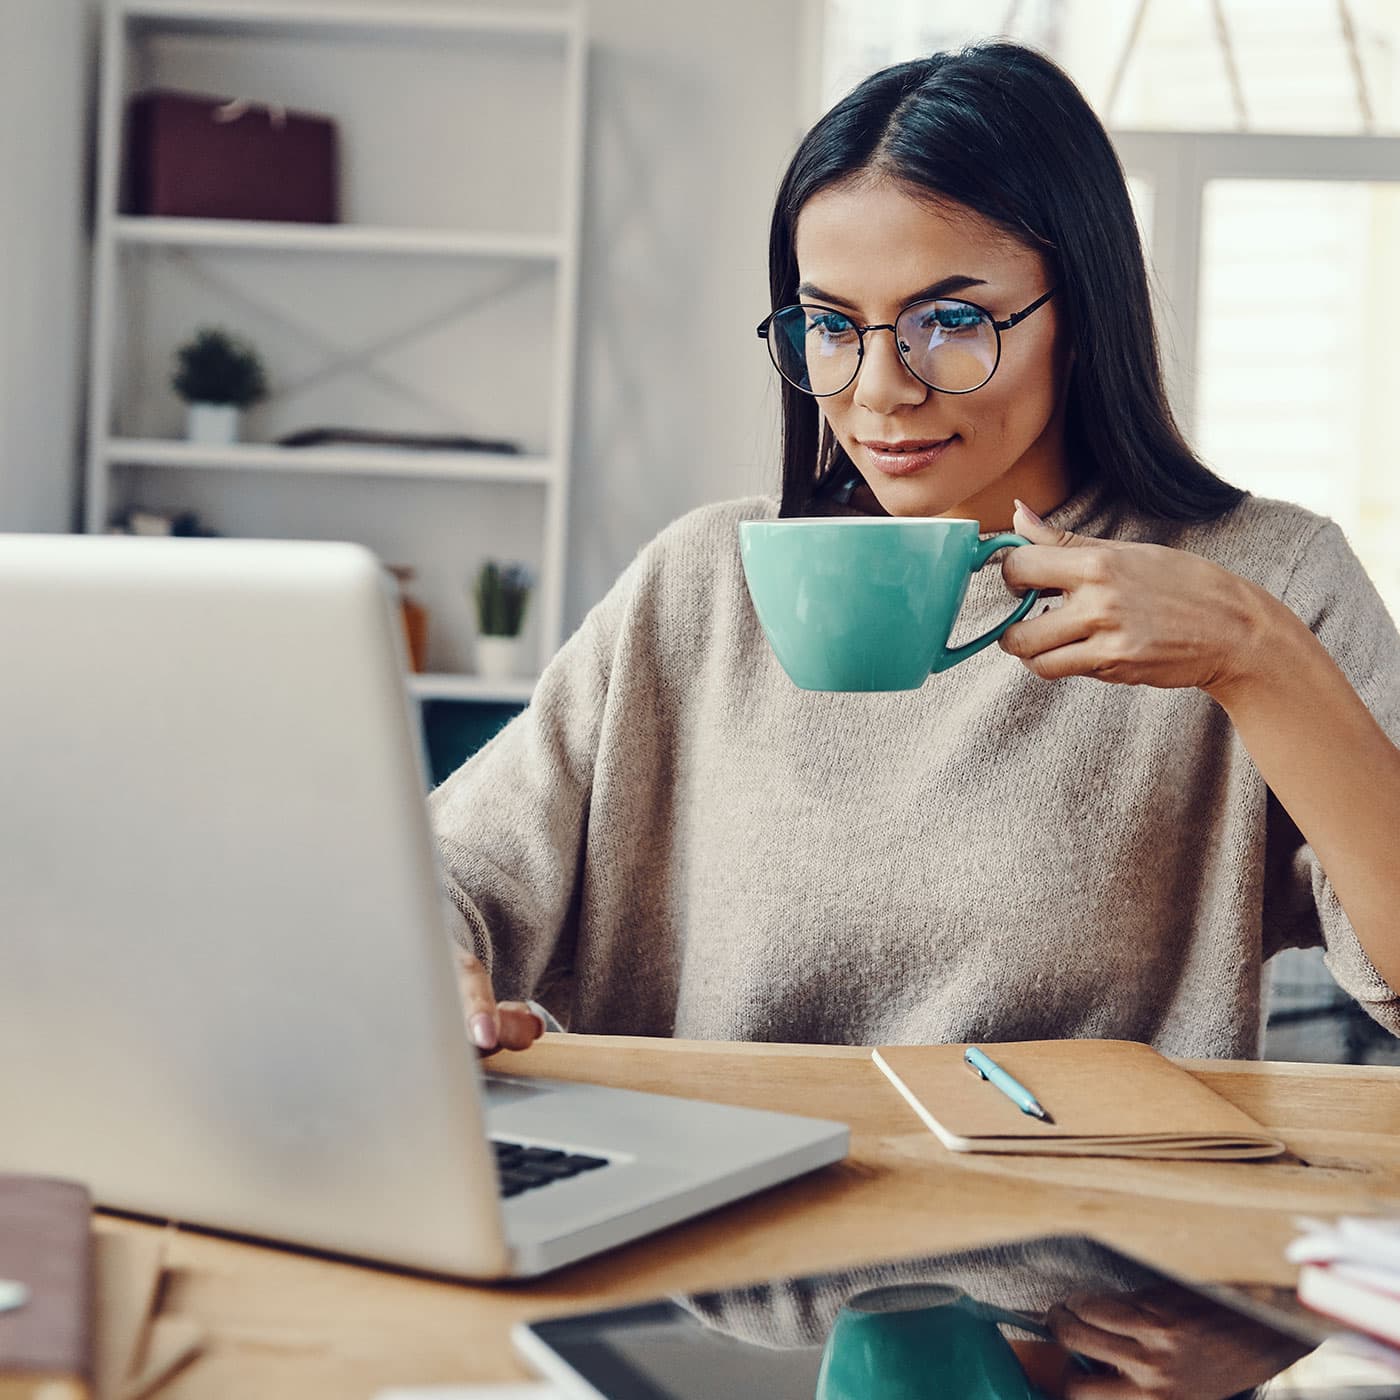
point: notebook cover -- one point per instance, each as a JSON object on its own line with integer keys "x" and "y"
{"x": 1107, "y": 1097}
{"x": 46, "y": 1244}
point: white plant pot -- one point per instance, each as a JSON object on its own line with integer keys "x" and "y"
{"x": 499, "y": 658}
{"x": 213, "y": 423}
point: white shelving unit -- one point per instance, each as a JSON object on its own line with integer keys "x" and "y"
{"x": 430, "y": 686}
{"x": 444, "y": 302}
{"x": 331, "y": 238}
{"x": 244, "y": 456}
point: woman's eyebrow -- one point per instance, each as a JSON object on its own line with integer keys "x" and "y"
{"x": 959, "y": 282}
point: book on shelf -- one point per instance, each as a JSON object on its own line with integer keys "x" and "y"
{"x": 422, "y": 442}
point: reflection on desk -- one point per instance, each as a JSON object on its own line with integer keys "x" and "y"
{"x": 288, "y": 1326}
{"x": 1030, "y": 1320}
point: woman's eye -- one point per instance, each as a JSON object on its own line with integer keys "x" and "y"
{"x": 830, "y": 326}
{"x": 949, "y": 319}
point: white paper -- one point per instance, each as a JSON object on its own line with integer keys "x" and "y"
{"x": 1367, "y": 1240}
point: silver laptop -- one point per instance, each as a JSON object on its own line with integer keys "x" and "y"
{"x": 226, "y": 991}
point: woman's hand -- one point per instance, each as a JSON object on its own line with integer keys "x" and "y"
{"x": 506, "y": 1025}
{"x": 1138, "y": 614}
{"x": 1165, "y": 1343}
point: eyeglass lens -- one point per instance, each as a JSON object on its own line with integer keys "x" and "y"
{"x": 950, "y": 345}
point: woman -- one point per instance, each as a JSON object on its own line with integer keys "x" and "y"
{"x": 1174, "y": 773}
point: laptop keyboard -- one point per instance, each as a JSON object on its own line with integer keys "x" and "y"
{"x": 523, "y": 1168}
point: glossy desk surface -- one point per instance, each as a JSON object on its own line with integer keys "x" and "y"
{"x": 282, "y": 1323}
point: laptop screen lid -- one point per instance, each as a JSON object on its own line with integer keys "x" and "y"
{"x": 228, "y": 995}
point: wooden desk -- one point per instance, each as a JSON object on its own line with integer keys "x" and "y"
{"x": 285, "y": 1324}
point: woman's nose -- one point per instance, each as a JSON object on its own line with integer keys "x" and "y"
{"x": 884, "y": 381}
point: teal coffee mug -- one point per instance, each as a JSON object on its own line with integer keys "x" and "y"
{"x": 867, "y": 603}
{"x": 914, "y": 1342}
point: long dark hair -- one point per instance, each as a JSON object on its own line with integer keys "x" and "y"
{"x": 1002, "y": 130}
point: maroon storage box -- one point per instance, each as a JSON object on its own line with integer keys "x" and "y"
{"x": 193, "y": 156}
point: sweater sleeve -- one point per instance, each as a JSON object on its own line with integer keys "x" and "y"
{"x": 1332, "y": 593}
{"x": 511, "y": 822}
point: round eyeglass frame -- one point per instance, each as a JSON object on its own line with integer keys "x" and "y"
{"x": 1014, "y": 319}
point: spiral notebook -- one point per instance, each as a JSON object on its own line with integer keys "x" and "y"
{"x": 1108, "y": 1098}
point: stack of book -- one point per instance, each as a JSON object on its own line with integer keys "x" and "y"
{"x": 1350, "y": 1271}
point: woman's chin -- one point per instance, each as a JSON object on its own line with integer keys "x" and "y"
{"x": 915, "y": 503}
{"x": 926, "y": 495}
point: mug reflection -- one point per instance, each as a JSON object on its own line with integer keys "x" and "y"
{"x": 1052, "y": 1319}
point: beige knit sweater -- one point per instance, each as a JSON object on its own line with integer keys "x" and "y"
{"x": 674, "y": 839}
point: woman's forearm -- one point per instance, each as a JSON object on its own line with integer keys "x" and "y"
{"x": 1333, "y": 768}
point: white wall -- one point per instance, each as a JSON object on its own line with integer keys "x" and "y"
{"x": 693, "y": 113}
{"x": 47, "y": 50}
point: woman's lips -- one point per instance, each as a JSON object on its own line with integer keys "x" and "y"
{"x": 904, "y": 459}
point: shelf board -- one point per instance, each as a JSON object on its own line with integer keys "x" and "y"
{"x": 347, "y": 460}
{"x": 288, "y": 19}
{"x": 256, "y": 235}
{"x": 440, "y": 686}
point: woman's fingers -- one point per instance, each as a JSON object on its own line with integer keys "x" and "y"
{"x": 478, "y": 1002}
{"x": 1058, "y": 627}
{"x": 520, "y": 1027}
{"x": 508, "y": 1025}
{"x": 1123, "y": 1313}
{"x": 1048, "y": 566}
{"x": 1073, "y": 1333}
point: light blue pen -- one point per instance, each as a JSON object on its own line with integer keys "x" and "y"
{"x": 988, "y": 1069}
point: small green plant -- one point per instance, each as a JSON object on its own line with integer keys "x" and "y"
{"x": 216, "y": 367}
{"x": 502, "y": 593}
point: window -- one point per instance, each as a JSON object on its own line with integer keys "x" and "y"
{"x": 1315, "y": 66}
{"x": 1260, "y": 146}
{"x": 1246, "y": 231}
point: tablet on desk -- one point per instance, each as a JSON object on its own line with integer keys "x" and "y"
{"x": 965, "y": 1326}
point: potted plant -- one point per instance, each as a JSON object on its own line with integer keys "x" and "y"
{"x": 218, "y": 376}
{"x": 502, "y": 593}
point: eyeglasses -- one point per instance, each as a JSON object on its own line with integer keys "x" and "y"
{"x": 952, "y": 346}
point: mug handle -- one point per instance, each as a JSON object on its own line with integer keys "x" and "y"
{"x": 950, "y": 656}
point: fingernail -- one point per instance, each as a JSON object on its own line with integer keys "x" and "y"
{"x": 484, "y": 1032}
{"x": 1035, "y": 519}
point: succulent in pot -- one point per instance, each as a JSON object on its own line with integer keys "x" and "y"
{"x": 218, "y": 375}
{"x": 502, "y": 593}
